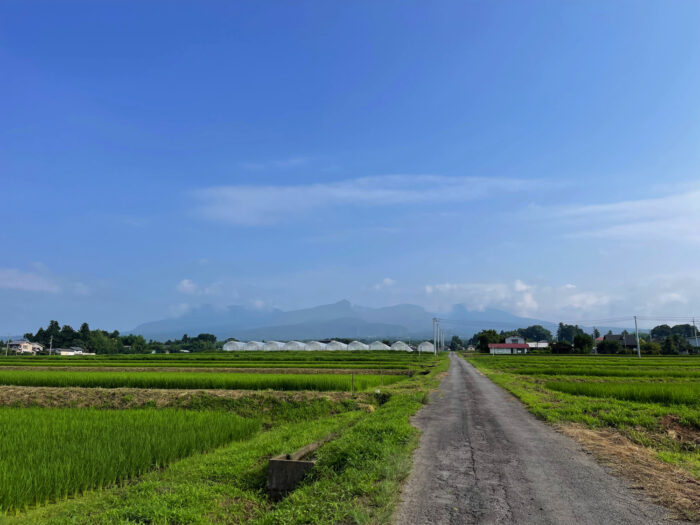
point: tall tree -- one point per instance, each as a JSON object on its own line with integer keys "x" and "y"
{"x": 484, "y": 338}
{"x": 567, "y": 332}
{"x": 583, "y": 343}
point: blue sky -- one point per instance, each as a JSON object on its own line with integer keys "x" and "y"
{"x": 538, "y": 157}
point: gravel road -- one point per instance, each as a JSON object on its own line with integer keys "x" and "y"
{"x": 484, "y": 459}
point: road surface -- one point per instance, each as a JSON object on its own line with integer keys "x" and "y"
{"x": 484, "y": 459}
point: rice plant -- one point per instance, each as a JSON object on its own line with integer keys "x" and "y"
{"x": 48, "y": 454}
{"x": 668, "y": 393}
{"x": 191, "y": 380}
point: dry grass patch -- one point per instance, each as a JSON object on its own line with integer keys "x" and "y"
{"x": 125, "y": 398}
{"x": 233, "y": 370}
{"x": 664, "y": 483}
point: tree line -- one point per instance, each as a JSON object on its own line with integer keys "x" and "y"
{"x": 103, "y": 342}
{"x": 661, "y": 340}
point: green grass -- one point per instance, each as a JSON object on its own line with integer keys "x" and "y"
{"x": 48, "y": 454}
{"x": 321, "y": 359}
{"x": 191, "y": 380}
{"x": 356, "y": 479}
{"x": 671, "y": 393}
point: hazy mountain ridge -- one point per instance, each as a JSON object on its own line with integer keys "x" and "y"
{"x": 340, "y": 319}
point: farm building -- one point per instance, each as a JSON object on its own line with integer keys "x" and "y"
{"x": 253, "y": 345}
{"x": 357, "y": 345}
{"x": 378, "y": 345}
{"x": 273, "y": 345}
{"x": 73, "y": 350}
{"x": 231, "y": 346}
{"x": 509, "y": 348}
{"x": 315, "y": 345}
{"x": 539, "y": 344}
{"x": 626, "y": 340}
{"x": 25, "y": 347}
{"x": 401, "y": 346}
{"x": 294, "y": 345}
{"x": 426, "y": 346}
{"x": 336, "y": 345}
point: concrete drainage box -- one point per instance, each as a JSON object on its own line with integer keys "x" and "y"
{"x": 286, "y": 471}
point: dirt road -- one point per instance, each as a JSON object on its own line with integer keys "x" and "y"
{"x": 484, "y": 459}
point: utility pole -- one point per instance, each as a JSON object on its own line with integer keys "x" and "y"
{"x": 636, "y": 332}
{"x": 50, "y": 344}
{"x": 435, "y": 335}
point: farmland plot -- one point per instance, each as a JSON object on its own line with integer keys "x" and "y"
{"x": 53, "y": 453}
{"x": 197, "y": 455}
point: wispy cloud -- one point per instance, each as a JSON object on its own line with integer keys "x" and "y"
{"x": 259, "y": 205}
{"x": 385, "y": 283}
{"x": 523, "y": 299}
{"x": 14, "y": 279}
{"x": 189, "y": 287}
{"x": 660, "y": 297}
{"x": 674, "y": 216}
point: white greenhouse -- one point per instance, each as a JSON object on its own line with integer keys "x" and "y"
{"x": 315, "y": 345}
{"x": 378, "y": 345}
{"x": 273, "y": 345}
{"x": 357, "y": 345}
{"x": 427, "y": 347}
{"x": 336, "y": 345}
{"x": 230, "y": 346}
{"x": 253, "y": 345}
{"x": 401, "y": 346}
{"x": 294, "y": 345}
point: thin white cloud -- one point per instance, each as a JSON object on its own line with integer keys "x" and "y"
{"x": 520, "y": 298}
{"x": 674, "y": 217}
{"x": 14, "y": 279}
{"x": 259, "y": 205}
{"x": 659, "y": 297}
{"x": 385, "y": 283}
{"x": 187, "y": 286}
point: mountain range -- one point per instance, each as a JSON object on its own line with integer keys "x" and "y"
{"x": 341, "y": 319}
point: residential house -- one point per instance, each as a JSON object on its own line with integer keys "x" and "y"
{"x": 625, "y": 340}
{"x": 513, "y": 345}
{"x": 25, "y": 347}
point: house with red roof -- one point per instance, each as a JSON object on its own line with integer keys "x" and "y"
{"x": 513, "y": 345}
